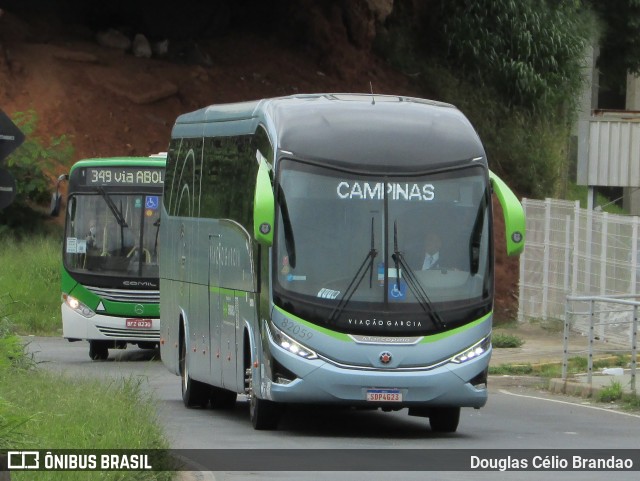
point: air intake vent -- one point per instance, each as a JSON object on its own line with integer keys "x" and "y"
{"x": 127, "y": 295}
{"x": 116, "y": 333}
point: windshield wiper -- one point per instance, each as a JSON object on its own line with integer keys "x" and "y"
{"x": 413, "y": 282}
{"x": 117, "y": 213}
{"x": 357, "y": 279}
{"x": 113, "y": 207}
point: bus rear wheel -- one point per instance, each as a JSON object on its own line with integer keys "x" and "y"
{"x": 444, "y": 420}
{"x": 194, "y": 393}
{"x": 99, "y": 350}
{"x": 264, "y": 414}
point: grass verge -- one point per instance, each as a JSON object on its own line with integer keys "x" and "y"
{"x": 30, "y": 283}
{"x": 42, "y": 410}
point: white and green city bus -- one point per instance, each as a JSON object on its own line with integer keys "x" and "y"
{"x": 110, "y": 293}
{"x": 292, "y": 246}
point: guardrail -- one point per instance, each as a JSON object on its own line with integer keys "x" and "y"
{"x": 600, "y": 320}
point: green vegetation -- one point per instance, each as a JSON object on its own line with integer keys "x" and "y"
{"x": 579, "y": 192}
{"x": 514, "y": 68}
{"x": 610, "y": 393}
{"x": 500, "y": 340}
{"x": 31, "y": 164}
{"x": 30, "y": 283}
{"x": 41, "y": 410}
{"x": 576, "y": 365}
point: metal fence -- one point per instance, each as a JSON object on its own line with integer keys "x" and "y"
{"x": 572, "y": 251}
{"x": 602, "y": 318}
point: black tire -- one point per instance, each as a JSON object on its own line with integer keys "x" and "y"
{"x": 194, "y": 393}
{"x": 264, "y": 414}
{"x": 222, "y": 398}
{"x": 444, "y": 420}
{"x": 99, "y": 350}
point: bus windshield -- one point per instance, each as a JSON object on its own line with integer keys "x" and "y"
{"x": 109, "y": 234}
{"x": 412, "y": 249}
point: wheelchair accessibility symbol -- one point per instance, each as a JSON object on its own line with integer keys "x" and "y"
{"x": 397, "y": 290}
{"x": 151, "y": 202}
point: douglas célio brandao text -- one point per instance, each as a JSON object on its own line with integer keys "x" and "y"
{"x": 551, "y": 463}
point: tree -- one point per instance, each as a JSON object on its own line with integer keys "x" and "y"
{"x": 31, "y": 165}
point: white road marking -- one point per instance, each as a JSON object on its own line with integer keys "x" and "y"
{"x": 570, "y": 403}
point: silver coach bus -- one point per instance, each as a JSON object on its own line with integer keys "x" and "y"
{"x": 293, "y": 264}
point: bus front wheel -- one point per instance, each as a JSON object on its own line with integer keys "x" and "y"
{"x": 264, "y": 414}
{"x": 98, "y": 350}
{"x": 444, "y": 420}
{"x": 194, "y": 393}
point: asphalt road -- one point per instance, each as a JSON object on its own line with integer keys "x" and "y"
{"x": 514, "y": 418}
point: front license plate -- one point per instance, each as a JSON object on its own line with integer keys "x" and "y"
{"x": 139, "y": 323}
{"x": 384, "y": 395}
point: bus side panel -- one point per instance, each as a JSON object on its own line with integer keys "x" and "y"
{"x": 170, "y": 292}
{"x": 197, "y": 240}
{"x": 248, "y": 319}
{"x": 233, "y": 255}
{"x": 229, "y": 320}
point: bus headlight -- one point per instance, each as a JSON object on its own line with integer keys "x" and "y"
{"x": 78, "y": 306}
{"x": 289, "y": 344}
{"x": 474, "y": 351}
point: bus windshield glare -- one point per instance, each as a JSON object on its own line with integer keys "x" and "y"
{"x": 112, "y": 234}
{"x": 407, "y": 248}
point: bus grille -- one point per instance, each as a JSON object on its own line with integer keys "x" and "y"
{"x": 116, "y": 333}
{"x": 127, "y": 295}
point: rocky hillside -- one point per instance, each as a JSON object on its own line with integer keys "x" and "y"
{"x": 113, "y": 81}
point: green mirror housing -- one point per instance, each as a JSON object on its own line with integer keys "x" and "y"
{"x": 264, "y": 207}
{"x": 514, "y": 220}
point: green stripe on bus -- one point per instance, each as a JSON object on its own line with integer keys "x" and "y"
{"x": 457, "y": 330}
{"x": 344, "y": 337}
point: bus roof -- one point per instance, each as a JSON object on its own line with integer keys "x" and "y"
{"x": 381, "y": 132}
{"x": 156, "y": 160}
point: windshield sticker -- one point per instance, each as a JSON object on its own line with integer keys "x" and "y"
{"x": 76, "y": 246}
{"x": 151, "y": 202}
{"x": 409, "y": 191}
{"x": 397, "y": 291}
{"x": 328, "y": 293}
{"x": 291, "y": 277}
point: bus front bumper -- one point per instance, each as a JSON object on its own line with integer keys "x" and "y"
{"x": 100, "y": 327}
{"x": 319, "y": 381}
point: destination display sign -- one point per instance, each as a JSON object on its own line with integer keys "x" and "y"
{"x": 124, "y": 176}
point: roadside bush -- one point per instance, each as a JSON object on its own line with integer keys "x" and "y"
{"x": 31, "y": 165}
{"x": 610, "y": 393}
{"x": 499, "y": 340}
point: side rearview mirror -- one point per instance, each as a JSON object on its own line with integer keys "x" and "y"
{"x": 263, "y": 206}
{"x": 514, "y": 220}
{"x": 56, "y": 197}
